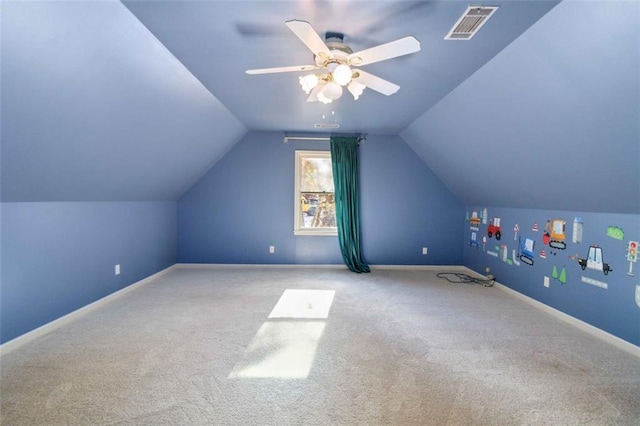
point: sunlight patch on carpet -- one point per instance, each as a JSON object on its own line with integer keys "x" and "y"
{"x": 312, "y": 304}
{"x": 283, "y": 348}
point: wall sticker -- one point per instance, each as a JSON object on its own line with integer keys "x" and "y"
{"x": 594, "y": 260}
{"x": 514, "y": 258}
{"x": 526, "y": 248}
{"x": 554, "y": 234}
{"x": 474, "y": 240}
{"x": 534, "y": 228}
{"x": 632, "y": 255}
{"x": 562, "y": 277}
{"x": 485, "y": 216}
{"x": 474, "y": 222}
{"x": 504, "y": 254}
{"x": 615, "y": 232}
{"x": 494, "y": 228}
{"x": 516, "y": 228}
{"x": 577, "y": 230}
{"x": 596, "y": 283}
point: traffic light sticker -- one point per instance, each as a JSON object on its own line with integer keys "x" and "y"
{"x": 632, "y": 251}
{"x": 632, "y": 255}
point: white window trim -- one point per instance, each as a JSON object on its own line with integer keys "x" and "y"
{"x": 298, "y": 227}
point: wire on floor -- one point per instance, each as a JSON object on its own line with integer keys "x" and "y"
{"x": 458, "y": 278}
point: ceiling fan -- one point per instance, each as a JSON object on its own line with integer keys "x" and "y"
{"x": 336, "y": 64}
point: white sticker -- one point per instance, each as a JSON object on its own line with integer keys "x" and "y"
{"x": 596, "y": 283}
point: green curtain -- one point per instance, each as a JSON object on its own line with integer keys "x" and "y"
{"x": 344, "y": 159}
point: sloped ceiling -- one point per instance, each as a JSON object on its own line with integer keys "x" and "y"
{"x": 218, "y": 40}
{"x": 552, "y": 122}
{"x": 137, "y": 100}
{"x": 94, "y": 108}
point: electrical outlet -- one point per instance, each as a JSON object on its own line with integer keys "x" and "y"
{"x": 117, "y": 269}
{"x": 272, "y": 249}
{"x": 546, "y": 281}
{"x": 424, "y": 250}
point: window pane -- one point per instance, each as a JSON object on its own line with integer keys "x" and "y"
{"x": 317, "y": 175}
{"x": 318, "y": 209}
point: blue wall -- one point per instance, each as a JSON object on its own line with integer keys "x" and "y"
{"x": 245, "y": 204}
{"x": 59, "y": 257}
{"x": 613, "y": 309}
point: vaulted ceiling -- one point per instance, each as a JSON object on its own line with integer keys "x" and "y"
{"x": 218, "y": 41}
{"x": 135, "y": 100}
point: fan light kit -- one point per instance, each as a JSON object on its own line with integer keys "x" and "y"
{"x": 330, "y": 85}
{"x": 335, "y": 64}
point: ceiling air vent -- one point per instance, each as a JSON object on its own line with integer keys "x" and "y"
{"x": 470, "y": 22}
{"x": 326, "y": 126}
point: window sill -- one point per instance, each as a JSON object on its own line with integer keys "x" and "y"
{"x": 318, "y": 232}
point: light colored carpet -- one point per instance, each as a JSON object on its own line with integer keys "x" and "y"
{"x": 197, "y": 346}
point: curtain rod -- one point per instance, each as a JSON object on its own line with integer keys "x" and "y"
{"x": 306, "y": 138}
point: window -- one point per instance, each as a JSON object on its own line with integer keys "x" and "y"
{"x": 315, "y": 209}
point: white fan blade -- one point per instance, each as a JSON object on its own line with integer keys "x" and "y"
{"x": 305, "y": 32}
{"x": 376, "y": 83}
{"x": 282, "y": 69}
{"x": 401, "y": 47}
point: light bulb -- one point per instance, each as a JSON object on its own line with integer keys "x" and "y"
{"x": 332, "y": 90}
{"x": 308, "y": 82}
{"x": 342, "y": 74}
{"x": 356, "y": 89}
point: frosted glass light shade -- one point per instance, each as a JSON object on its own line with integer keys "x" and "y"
{"x": 356, "y": 89}
{"x": 342, "y": 74}
{"x": 308, "y": 82}
{"x": 322, "y": 98}
{"x": 332, "y": 90}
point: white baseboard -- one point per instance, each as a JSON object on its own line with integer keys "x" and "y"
{"x": 254, "y": 266}
{"x": 318, "y": 266}
{"x": 439, "y": 268}
{"x": 588, "y": 328}
{"x": 22, "y": 340}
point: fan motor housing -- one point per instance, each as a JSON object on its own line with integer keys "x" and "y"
{"x": 335, "y": 41}
{"x": 339, "y": 50}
